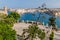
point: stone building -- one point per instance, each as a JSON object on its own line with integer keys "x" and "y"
{"x": 4, "y": 10}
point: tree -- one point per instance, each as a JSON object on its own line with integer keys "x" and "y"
{"x": 6, "y": 32}
{"x": 41, "y": 34}
{"x": 39, "y": 7}
{"x": 2, "y": 16}
{"x": 33, "y": 31}
{"x": 52, "y": 22}
{"x": 6, "y": 24}
{"x": 14, "y": 15}
{"x": 43, "y": 6}
{"x": 51, "y": 36}
{"x": 9, "y": 21}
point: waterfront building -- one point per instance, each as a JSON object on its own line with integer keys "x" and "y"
{"x": 4, "y": 10}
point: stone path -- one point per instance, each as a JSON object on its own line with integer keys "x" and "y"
{"x": 20, "y": 26}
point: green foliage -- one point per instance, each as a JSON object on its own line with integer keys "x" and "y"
{"x": 14, "y": 15}
{"x": 1, "y": 37}
{"x": 2, "y": 16}
{"x": 52, "y": 21}
{"x": 6, "y": 24}
{"x": 9, "y": 21}
{"x": 41, "y": 35}
{"x": 6, "y": 32}
{"x": 33, "y": 32}
{"x": 11, "y": 18}
{"x": 51, "y": 36}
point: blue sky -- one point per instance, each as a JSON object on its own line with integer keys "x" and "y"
{"x": 29, "y": 3}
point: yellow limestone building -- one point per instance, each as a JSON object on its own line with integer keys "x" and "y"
{"x": 4, "y": 10}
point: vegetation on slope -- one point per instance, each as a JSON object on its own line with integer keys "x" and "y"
{"x": 6, "y": 24}
{"x": 33, "y": 32}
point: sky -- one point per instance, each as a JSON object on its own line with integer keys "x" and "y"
{"x": 29, "y": 3}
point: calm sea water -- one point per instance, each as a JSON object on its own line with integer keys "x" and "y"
{"x": 43, "y": 17}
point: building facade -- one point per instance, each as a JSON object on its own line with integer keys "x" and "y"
{"x": 4, "y": 10}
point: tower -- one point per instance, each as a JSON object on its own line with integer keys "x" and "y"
{"x": 5, "y": 9}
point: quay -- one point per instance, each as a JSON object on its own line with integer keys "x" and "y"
{"x": 55, "y": 11}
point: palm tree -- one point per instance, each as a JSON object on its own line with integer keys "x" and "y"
{"x": 33, "y": 31}
{"x": 52, "y": 22}
{"x": 51, "y": 36}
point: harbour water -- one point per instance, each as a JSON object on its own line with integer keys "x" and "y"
{"x": 43, "y": 17}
